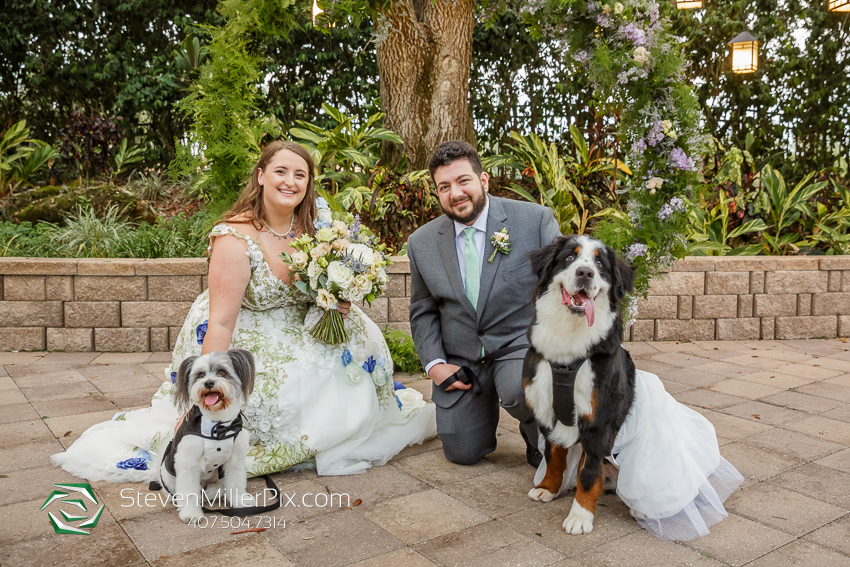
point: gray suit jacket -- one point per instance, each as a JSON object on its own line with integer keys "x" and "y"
{"x": 443, "y": 322}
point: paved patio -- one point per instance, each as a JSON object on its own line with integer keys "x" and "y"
{"x": 781, "y": 410}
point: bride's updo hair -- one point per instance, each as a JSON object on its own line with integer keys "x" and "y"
{"x": 249, "y": 206}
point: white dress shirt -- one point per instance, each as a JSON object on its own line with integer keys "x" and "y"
{"x": 480, "y": 238}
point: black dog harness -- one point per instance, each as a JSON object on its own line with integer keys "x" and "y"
{"x": 218, "y": 445}
{"x": 563, "y": 387}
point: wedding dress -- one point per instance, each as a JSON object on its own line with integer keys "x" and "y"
{"x": 671, "y": 474}
{"x": 309, "y": 405}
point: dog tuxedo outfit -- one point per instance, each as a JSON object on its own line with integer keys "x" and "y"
{"x": 218, "y": 437}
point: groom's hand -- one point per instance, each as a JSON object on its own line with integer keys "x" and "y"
{"x": 439, "y": 372}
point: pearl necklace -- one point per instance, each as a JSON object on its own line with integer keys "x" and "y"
{"x": 289, "y": 230}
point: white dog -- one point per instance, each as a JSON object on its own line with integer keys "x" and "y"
{"x": 209, "y": 447}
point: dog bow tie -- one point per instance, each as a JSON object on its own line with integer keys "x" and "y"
{"x": 222, "y": 431}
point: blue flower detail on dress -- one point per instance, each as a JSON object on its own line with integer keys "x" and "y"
{"x": 201, "y": 332}
{"x": 398, "y": 401}
{"x": 321, "y": 203}
{"x": 346, "y": 357}
{"x": 173, "y": 377}
{"x": 383, "y": 362}
{"x": 369, "y": 365}
{"x": 136, "y": 463}
{"x": 398, "y": 386}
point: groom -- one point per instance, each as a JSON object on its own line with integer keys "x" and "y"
{"x": 468, "y": 298}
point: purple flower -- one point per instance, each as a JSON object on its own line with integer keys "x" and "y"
{"x": 136, "y": 463}
{"x": 665, "y": 212}
{"x": 680, "y": 160}
{"x": 677, "y": 204}
{"x": 639, "y": 147}
{"x": 582, "y": 56}
{"x": 636, "y": 250}
{"x": 656, "y": 133}
{"x": 201, "y": 332}
{"x": 592, "y": 6}
{"x": 634, "y": 34}
{"x": 603, "y": 20}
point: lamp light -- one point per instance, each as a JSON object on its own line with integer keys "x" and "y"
{"x": 745, "y": 53}
{"x": 839, "y": 5}
{"x": 690, "y": 4}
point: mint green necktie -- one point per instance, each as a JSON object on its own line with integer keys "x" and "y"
{"x": 471, "y": 261}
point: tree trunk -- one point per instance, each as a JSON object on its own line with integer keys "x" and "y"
{"x": 424, "y": 66}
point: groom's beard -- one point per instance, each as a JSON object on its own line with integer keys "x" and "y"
{"x": 478, "y": 204}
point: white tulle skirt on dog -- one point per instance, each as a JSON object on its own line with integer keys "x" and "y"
{"x": 671, "y": 473}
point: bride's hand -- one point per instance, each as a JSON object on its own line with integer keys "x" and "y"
{"x": 344, "y": 307}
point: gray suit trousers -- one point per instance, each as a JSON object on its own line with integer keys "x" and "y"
{"x": 468, "y": 427}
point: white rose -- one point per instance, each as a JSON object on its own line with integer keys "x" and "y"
{"x": 313, "y": 272}
{"x": 654, "y": 183}
{"x": 340, "y": 274}
{"x": 300, "y": 258}
{"x": 353, "y": 294}
{"x": 410, "y": 399}
{"x": 362, "y": 253}
{"x": 325, "y": 300}
{"x": 362, "y": 284}
{"x": 606, "y": 9}
{"x": 340, "y": 227}
{"x": 642, "y": 55}
{"x": 380, "y": 275}
{"x": 324, "y": 215}
{"x": 618, "y": 8}
{"x": 666, "y": 125}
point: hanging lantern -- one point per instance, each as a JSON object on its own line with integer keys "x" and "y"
{"x": 690, "y": 4}
{"x": 316, "y": 11}
{"x": 839, "y": 5}
{"x": 745, "y": 53}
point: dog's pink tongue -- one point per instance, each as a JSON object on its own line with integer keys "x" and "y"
{"x": 565, "y": 297}
{"x": 211, "y": 399}
{"x": 589, "y": 308}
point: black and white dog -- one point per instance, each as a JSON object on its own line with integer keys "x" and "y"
{"x": 209, "y": 448}
{"x": 578, "y": 380}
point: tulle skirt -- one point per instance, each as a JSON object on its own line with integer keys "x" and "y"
{"x": 671, "y": 473}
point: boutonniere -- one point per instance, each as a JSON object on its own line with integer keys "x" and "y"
{"x": 501, "y": 242}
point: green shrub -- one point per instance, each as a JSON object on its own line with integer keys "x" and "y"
{"x": 405, "y": 358}
{"x": 87, "y": 236}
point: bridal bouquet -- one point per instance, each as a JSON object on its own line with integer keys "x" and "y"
{"x": 342, "y": 262}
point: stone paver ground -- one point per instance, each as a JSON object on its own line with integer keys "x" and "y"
{"x": 781, "y": 410}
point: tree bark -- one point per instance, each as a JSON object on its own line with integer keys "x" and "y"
{"x": 424, "y": 66}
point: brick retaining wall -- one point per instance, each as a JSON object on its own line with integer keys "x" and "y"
{"x": 138, "y": 305}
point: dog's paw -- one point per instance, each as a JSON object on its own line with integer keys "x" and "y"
{"x": 580, "y": 521}
{"x": 190, "y": 514}
{"x": 541, "y": 495}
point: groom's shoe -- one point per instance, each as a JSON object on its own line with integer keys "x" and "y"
{"x": 533, "y": 456}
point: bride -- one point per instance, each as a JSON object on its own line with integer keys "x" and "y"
{"x": 303, "y": 409}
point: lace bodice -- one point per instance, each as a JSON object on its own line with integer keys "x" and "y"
{"x": 265, "y": 290}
